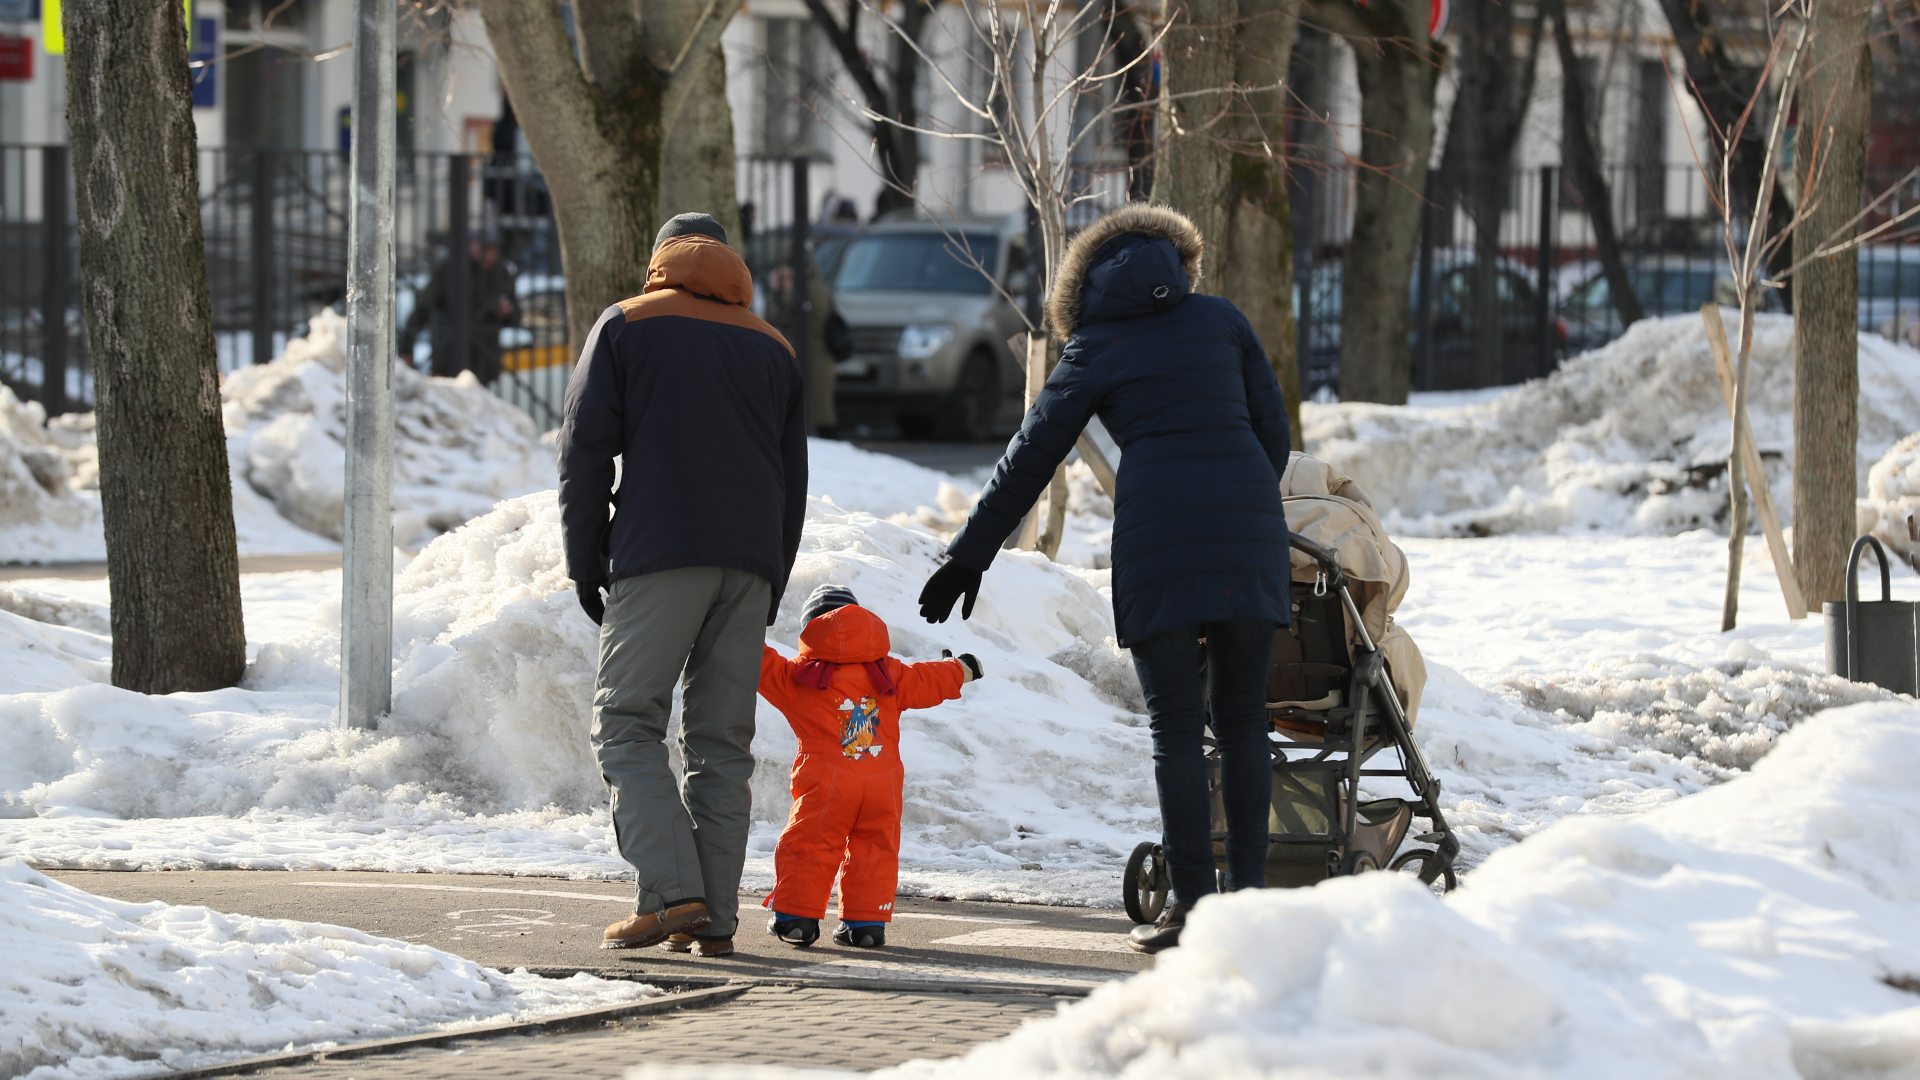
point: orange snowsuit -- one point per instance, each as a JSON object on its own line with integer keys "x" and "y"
{"x": 847, "y": 775}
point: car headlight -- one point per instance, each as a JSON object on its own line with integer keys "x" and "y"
{"x": 923, "y": 340}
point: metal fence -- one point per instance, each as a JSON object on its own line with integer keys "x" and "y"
{"x": 275, "y": 228}
{"x": 1551, "y": 298}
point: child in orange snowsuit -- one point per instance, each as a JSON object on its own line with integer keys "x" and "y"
{"x": 843, "y": 695}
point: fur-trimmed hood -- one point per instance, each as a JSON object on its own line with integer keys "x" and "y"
{"x": 1065, "y": 306}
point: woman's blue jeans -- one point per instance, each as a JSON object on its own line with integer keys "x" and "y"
{"x": 1238, "y": 652}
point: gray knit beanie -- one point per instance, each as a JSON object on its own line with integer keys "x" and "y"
{"x": 689, "y": 225}
{"x": 827, "y": 598}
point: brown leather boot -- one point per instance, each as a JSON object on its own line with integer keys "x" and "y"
{"x": 678, "y": 943}
{"x": 712, "y": 946}
{"x": 645, "y": 931}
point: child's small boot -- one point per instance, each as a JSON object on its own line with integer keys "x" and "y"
{"x": 861, "y": 935}
{"x": 796, "y": 932}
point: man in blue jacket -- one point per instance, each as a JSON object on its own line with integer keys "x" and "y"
{"x": 697, "y": 407}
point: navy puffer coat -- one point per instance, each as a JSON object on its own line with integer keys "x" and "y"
{"x": 1181, "y": 383}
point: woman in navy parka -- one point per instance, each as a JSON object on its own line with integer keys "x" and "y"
{"x": 1199, "y": 538}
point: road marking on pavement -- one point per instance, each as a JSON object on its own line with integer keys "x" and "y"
{"x": 969, "y": 973}
{"x": 961, "y": 918}
{"x": 507, "y": 921}
{"x": 628, "y": 899}
{"x": 1074, "y": 940}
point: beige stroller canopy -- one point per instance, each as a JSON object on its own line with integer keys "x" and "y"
{"x": 1331, "y": 510}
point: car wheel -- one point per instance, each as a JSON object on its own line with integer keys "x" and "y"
{"x": 916, "y": 427}
{"x": 975, "y": 402}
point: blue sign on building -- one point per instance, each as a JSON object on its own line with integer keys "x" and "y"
{"x": 202, "y": 49}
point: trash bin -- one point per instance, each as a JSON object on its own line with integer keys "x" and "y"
{"x": 1874, "y": 641}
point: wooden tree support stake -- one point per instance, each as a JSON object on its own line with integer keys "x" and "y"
{"x": 1750, "y": 459}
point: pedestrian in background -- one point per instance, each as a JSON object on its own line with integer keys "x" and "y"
{"x": 491, "y": 305}
{"x": 705, "y": 405}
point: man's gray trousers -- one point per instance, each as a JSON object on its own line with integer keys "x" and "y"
{"x": 688, "y": 838}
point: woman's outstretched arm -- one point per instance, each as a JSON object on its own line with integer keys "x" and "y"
{"x": 1045, "y": 438}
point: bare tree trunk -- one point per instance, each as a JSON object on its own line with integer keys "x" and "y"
{"x": 1723, "y": 88}
{"x": 1495, "y": 88}
{"x": 1220, "y": 162}
{"x": 896, "y": 148}
{"x": 1398, "y": 66}
{"x": 164, "y": 487}
{"x": 598, "y": 120}
{"x": 1833, "y": 106}
{"x": 1583, "y": 162}
{"x": 700, "y": 146}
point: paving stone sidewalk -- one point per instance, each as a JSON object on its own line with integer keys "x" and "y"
{"x": 799, "y": 1026}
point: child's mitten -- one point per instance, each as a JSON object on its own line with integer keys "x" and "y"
{"x": 969, "y": 663}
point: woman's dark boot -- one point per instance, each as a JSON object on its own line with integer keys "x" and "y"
{"x": 1163, "y": 934}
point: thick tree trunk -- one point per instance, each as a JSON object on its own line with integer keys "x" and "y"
{"x": 1833, "y": 105}
{"x": 1220, "y": 163}
{"x": 1398, "y": 65}
{"x": 700, "y": 147}
{"x": 603, "y": 114}
{"x": 1583, "y": 162}
{"x": 164, "y": 487}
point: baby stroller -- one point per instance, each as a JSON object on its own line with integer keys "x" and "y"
{"x": 1343, "y": 688}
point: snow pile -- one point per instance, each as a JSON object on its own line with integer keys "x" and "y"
{"x": 1046, "y": 760}
{"x": 98, "y": 987}
{"x": 458, "y": 449}
{"x": 49, "y": 478}
{"x": 1631, "y": 437}
{"x": 1725, "y": 714}
{"x": 1891, "y": 510}
{"x": 1764, "y": 929}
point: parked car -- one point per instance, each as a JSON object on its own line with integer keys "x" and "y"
{"x": 1453, "y": 362}
{"x": 1665, "y": 284}
{"x": 929, "y": 327}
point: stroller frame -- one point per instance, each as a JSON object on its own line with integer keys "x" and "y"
{"x": 1371, "y": 711}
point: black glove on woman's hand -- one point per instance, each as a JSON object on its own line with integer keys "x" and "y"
{"x": 590, "y": 601}
{"x": 946, "y": 585}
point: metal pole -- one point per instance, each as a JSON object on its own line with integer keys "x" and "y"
{"x": 459, "y": 291}
{"x": 366, "y": 604}
{"x": 802, "y": 306}
{"x": 1423, "y": 297}
{"x": 262, "y": 257}
{"x": 54, "y": 291}
{"x": 1544, "y": 272}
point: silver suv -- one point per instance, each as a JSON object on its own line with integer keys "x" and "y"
{"x": 930, "y": 329}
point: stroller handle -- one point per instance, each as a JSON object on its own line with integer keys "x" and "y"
{"x": 1325, "y": 558}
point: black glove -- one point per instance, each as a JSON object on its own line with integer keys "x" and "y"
{"x": 948, "y": 584}
{"x": 590, "y": 601}
{"x": 968, "y": 661}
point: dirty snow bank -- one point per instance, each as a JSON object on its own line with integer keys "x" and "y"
{"x": 1631, "y": 437}
{"x": 1764, "y": 929}
{"x": 49, "y": 479}
{"x": 1891, "y": 510}
{"x": 485, "y": 765}
{"x": 457, "y": 448}
{"x": 101, "y": 988}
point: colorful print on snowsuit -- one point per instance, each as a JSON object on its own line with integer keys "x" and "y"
{"x": 859, "y": 722}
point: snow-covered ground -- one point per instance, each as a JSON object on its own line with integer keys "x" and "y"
{"x": 1580, "y": 695}
{"x": 100, "y": 988}
{"x": 1761, "y": 930}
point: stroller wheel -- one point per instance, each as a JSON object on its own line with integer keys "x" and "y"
{"x": 1144, "y": 887}
{"x": 1426, "y": 864}
{"x": 1358, "y": 862}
